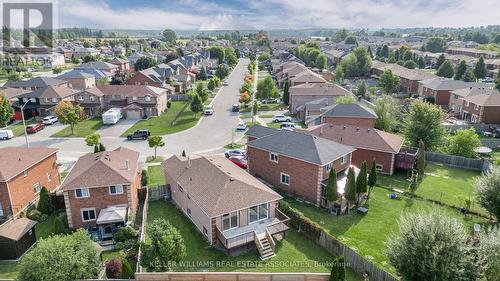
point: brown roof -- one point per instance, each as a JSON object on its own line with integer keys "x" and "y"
{"x": 118, "y": 60}
{"x": 103, "y": 169}
{"x": 307, "y": 76}
{"x": 16, "y": 229}
{"x": 319, "y": 89}
{"x": 472, "y": 91}
{"x": 485, "y": 99}
{"x": 403, "y": 72}
{"x": 11, "y": 93}
{"x": 217, "y": 185}
{"x": 93, "y": 91}
{"x": 131, "y": 90}
{"x": 15, "y": 160}
{"x": 364, "y": 138}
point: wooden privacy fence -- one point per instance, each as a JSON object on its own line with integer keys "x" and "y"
{"x": 458, "y": 161}
{"x": 479, "y": 127}
{"x": 142, "y": 234}
{"x": 159, "y": 192}
{"x": 181, "y": 97}
{"x": 229, "y": 276}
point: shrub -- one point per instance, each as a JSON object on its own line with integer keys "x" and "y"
{"x": 114, "y": 269}
{"x": 102, "y": 147}
{"x": 300, "y": 222}
{"x": 127, "y": 271}
{"x": 125, "y": 233}
{"x": 45, "y": 203}
{"x": 34, "y": 215}
{"x": 43, "y": 217}
{"x": 488, "y": 191}
{"x": 144, "y": 177}
{"x": 59, "y": 227}
{"x": 338, "y": 270}
{"x": 169, "y": 104}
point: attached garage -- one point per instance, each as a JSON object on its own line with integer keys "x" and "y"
{"x": 133, "y": 112}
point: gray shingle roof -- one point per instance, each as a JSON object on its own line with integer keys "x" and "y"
{"x": 449, "y": 84}
{"x": 350, "y": 110}
{"x": 258, "y": 131}
{"x": 38, "y": 82}
{"x": 302, "y": 146}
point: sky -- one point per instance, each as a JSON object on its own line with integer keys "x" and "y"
{"x": 275, "y": 14}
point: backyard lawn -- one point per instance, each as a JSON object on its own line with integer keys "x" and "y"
{"x": 82, "y": 129}
{"x": 18, "y": 128}
{"x": 162, "y": 125}
{"x": 306, "y": 256}
{"x": 449, "y": 185}
{"x": 367, "y": 233}
{"x": 156, "y": 175}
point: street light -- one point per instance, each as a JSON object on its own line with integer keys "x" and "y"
{"x": 24, "y": 121}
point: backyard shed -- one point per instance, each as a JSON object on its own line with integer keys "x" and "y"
{"x": 16, "y": 237}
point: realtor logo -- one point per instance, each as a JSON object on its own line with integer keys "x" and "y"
{"x": 27, "y": 27}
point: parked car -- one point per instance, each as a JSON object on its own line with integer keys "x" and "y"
{"x": 235, "y": 152}
{"x": 235, "y": 108}
{"x": 488, "y": 80}
{"x": 287, "y": 126}
{"x": 281, "y": 118}
{"x": 31, "y": 129}
{"x": 209, "y": 110}
{"x": 239, "y": 161}
{"x": 241, "y": 126}
{"x": 142, "y": 134}
{"x": 269, "y": 100}
{"x": 225, "y": 83}
{"x": 50, "y": 120}
{"x": 6, "y": 134}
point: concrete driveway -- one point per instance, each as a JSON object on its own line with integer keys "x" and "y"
{"x": 117, "y": 129}
{"x": 49, "y": 130}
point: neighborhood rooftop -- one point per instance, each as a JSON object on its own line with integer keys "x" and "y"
{"x": 349, "y": 110}
{"x": 15, "y": 160}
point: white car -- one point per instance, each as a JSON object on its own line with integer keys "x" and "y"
{"x": 287, "y": 126}
{"x": 225, "y": 83}
{"x": 209, "y": 110}
{"x": 235, "y": 152}
{"x": 281, "y": 118}
{"x": 241, "y": 126}
{"x": 49, "y": 120}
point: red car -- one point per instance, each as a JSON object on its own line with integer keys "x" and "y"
{"x": 31, "y": 129}
{"x": 239, "y": 161}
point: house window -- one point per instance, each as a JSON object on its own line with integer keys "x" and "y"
{"x": 88, "y": 214}
{"x": 80, "y": 98}
{"x": 466, "y": 104}
{"x": 189, "y": 212}
{"x": 379, "y": 167}
{"x": 329, "y": 167}
{"x": 82, "y": 193}
{"x": 273, "y": 157}
{"x": 36, "y": 187}
{"x": 230, "y": 221}
{"x": 25, "y": 173}
{"x": 116, "y": 189}
{"x": 1, "y": 210}
{"x": 54, "y": 99}
{"x": 476, "y": 107}
{"x": 49, "y": 177}
{"x": 92, "y": 98}
{"x": 205, "y": 231}
{"x": 285, "y": 179}
{"x": 134, "y": 98}
{"x": 147, "y": 98}
{"x": 257, "y": 213}
{"x": 343, "y": 160}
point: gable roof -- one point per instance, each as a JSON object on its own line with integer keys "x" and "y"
{"x": 365, "y": 138}
{"x": 302, "y": 146}
{"x": 258, "y": 131}
{"x": 61, "y": 91}
{"x": 217, "y": 185}
{"x": 440, "y": 84}
{"x": 319, "y": 89}
{"x": 492, "y": 99}
{"x": 307, "y": 76}
{"x": 403, "y": 72}
{"x": 103, "y": 169}
{"x": 38, "y": 82}
{"x": 96, "y": 65}
{"x": 75, "y": 73}
{"x": 349, "y": 110}
{"x": 16, "y": 229}
{"x": 131, "y": 90}
{"x": 15, "y": 160}
{"x": 11, "y": 93}
{"x": 472, "y": 91}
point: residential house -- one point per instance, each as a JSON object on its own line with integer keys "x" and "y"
{"x": 306, "y": 76}
{"x": 472, "y": 52}
{"x": 345, "y": 114}
{"x": 408, "y": 78}
{"x": 136, "y": 100}
{"x": 309, "y": 92}
{"x": 100, "y": 65}
{"x": 123, "y": 64}
{"x": 371, "y": 144}
{"x": 295, "y": 162}
{"x": 91, "y": 100}
{"x": 34, "y": 83}
{"x": 457, "y": 98}
{"x": 23, "y": 173}
{"x": 229, "y": 206}
{"x": 440, "y": 89}
{"x": 482, "y": 108}
{"x": 100, "y": 191}
{"x": 82, "y": 52}
{"x": 44, "y": 100}
{"x": 78, "y": 79}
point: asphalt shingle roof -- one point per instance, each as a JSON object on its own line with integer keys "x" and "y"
{"x": 15, "y": 160}
{"x": 350, "y": 110}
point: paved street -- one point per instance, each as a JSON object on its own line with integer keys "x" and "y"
{"x": 211, "y": 134}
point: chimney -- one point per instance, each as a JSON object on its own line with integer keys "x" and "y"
{"x": 126, "y": 165}
{"x": 189, "y": 162}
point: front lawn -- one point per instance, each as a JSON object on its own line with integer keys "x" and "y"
{"x": 266, "y": 107}
{"x": 449, "y": 185}
{"x": 82, "y": 129}
{"x": 294, "y": 254}
{"x": 156, "y": 176}
{"x": 18, "y": 128}
{"x": 163, "y": 124}
{"x": 367, "y": 234}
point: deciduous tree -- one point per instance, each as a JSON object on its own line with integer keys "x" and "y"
{"x": 488, "y": 191}
{"x": 155, "y": 142}
{"x": 463, "y": 143}
{"x": 389, "y": 82}
{"x": 196, "y": 105}
{"x": 266, "y": 88}
{"x": 69, "y": 114}
{"x": 387, "y": 109}
{"x": 424, "y": 122}
{"x": 6, "y": 110}
{"x": 93, "y": 140}
{"x": 169, "y": 36}
{"x": 144, "y": 62}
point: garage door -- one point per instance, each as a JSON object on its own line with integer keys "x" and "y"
{"x": 133, "y": 114}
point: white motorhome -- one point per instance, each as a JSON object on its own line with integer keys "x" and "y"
{"x": 112, "y": 116}
{"x": 6, "y": 134}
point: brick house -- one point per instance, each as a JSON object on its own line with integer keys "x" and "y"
{"x": 371, "y": 144}
{"x": 23, "y": 172}
{"x": 99, "y": 65}
{"x": 100, "y": 191}
{"x": 457, "y": 98}
{"x": 47, "y": 98}
{"x": 440, "y": 89}
{"x": 306, "y": 76}
{"x": 227, "y": 205}
{"x": 482, "y": 108}
{"x": 309, "y": 92}
{"x": 345, "y": 114}
{"x": 408, "y": 78}
{"x": 78, "y": 79}
{"x": 295, "y": 162}
{"x": 92, "y": 101}
{"x": 158, "y": 76}
{"x": 123, "y": 64}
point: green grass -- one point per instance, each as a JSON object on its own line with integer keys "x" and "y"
{"x": 234, "y": 145}
{"x": 162, "y": 125}
{"x": 116, "y": 254}
{"x": 449, "y": 185}
{"x": 82, "y": 129}
{"x": 294, "y": 248}
{"x": 266, "y": 115}
{"x": 245, "y": 116}
{"x": 156, "y": 176}
{"x": 496, "y": 156}
{"x": 367, "y": 234}
{"x": 151, "y": 159}
{"x": 18, "y": 128}
{"x": 8, "y": 269}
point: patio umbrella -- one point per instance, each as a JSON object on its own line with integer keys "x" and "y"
{"x": 483, "y": 150}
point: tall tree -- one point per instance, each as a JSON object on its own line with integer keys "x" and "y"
{"x": 331, "y": 187}
{"x": 431, "y": 247}
{"x": 423, "y": 121}
{"x": 480, "y": 69}
{"x": 488, "y": 191}
{"x": 6, "y": 110}
{"x": 203, "y": 74}
{"x": 435, "y": 45}
{"x": 230, "y": 56}
{"x": 362, "y": 180}
{"x": 338, "y": 269}
{"x": 387, "y": 109}
{"x": 266, "y": 88}
{"x": 350, "y": 187}
{"x": 169, "y": 36}
{"x": 446, "y": 70}
{"x": 389, "y": 82}
{"x": 144, "y": 63}
{"x": 469, "y": 76}
{"x": 201, "y": 91}
{"x": 351, "y": 40}
{"x": 462, "y": 67}
{"x": 286, "y": 93}
{"x": 196, "y": 105}
{"x": 222, "y": 71}
{"x": 385, "y": 51}
{"x": 45, "y": 203}
{"x": 361, "y": 92}
{"x": 155, "y": 142}
{"x": 69, "y": 114}
{"x": 372, "y": 179}
{"x": 463, "y": 143}
{"x": 440, "y": 61}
